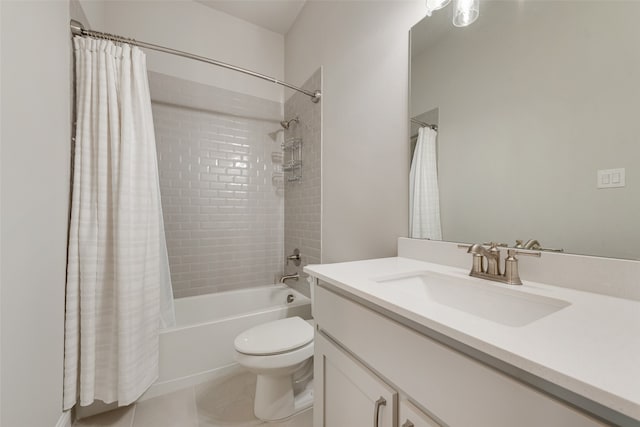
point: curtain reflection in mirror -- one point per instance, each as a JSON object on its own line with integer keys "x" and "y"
{"x": 424, "y": 197}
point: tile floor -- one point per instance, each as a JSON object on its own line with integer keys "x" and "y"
{"x": 227, "y": 402}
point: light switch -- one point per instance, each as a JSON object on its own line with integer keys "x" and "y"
{"x": 611, "y": 178}
{"x": 615, "y": 178}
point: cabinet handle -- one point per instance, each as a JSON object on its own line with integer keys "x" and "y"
{"x": 376, "y": 418}
{"x": 408, "y": 424}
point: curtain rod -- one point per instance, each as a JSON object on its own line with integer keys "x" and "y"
{"x": 77, "y": 29}
{"x": 418, "y": 122}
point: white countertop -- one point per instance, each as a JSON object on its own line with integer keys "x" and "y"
{"x": 591, "y": 347}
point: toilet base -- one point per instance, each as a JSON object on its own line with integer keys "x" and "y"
{"x": 275, "y": 401}
{"x": 304, "y": 399}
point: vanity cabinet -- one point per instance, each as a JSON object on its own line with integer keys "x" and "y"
{"x": 356, "y": 396}
{"x": 357, "y": 346}
{"x": 410, "y": 416}
{"x": 353, "y": 395}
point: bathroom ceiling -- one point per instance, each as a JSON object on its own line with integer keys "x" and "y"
{"x": 275, "y": 15}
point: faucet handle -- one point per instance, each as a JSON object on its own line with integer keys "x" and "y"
{"x": 511, "y": 253}
{"x": 295, "y": 257}
{"x": 490, "y": 244}
{"x": 494, "y": 244}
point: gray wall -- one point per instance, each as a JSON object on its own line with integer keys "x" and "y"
{"x": 533, "y": 99}
{"x": 363, "y": 49}
{"x": 35, "y": 115}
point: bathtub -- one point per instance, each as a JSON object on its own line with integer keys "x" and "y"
{"x": 200, "y": 347}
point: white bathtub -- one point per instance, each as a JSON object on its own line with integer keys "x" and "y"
{"x": 200, "y": 347}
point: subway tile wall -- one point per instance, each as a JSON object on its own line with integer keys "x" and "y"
{"x": 302, "y": 211}
{"x": 224, "y": 218}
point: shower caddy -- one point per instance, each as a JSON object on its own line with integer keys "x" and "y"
{"x": 292, "y": 166}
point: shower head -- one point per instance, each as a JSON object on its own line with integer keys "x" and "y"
{"x": 285, "y": 124}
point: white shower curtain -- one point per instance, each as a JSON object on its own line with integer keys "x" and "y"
{"x": 118, "y": 284}
{"x": 424, "y": 196}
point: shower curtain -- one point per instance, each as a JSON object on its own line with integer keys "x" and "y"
{"x": 424, "y": 196}
{"x": 118, "y": 284}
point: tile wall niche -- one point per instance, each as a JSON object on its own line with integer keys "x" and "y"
{"x": 302, "y": 211}
{"x": 223, "y": 215}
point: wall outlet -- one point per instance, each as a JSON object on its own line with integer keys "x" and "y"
{"x": 611, "y": 178}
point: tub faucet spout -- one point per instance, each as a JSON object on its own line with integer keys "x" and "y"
{"x": 289, "y": 276}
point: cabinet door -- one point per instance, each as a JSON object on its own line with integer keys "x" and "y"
{"x": 348, "y": 394}
{"x": 410, "y": 416}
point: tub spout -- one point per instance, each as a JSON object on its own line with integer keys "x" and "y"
{"x": 289, "y": 276}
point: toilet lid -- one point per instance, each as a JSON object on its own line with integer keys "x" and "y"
{"x": 275, "y": 337}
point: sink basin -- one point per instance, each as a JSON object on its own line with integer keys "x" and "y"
{"x": 489, "y": 301}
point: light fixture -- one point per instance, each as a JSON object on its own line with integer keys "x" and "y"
{"x": 433, "y": 5}
{"x": 465, "y": 11}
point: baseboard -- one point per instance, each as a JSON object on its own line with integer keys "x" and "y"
{"x": 64, "y": 420}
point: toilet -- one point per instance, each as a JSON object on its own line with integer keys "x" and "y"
{"x": 280, "y": 353}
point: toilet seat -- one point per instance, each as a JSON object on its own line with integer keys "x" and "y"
{"x": 283, "y": 361}
{"x": 273, "y": 338}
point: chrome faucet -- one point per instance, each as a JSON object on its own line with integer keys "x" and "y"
{"x": 510, "y": 276}
{"x": 289, "y": 276}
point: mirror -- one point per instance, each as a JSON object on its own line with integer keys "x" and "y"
{"x": 530, "y": 102}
